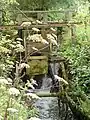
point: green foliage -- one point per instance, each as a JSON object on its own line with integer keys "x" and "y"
{"x": 18, "y": 104}
{"x": 44, "y": 4}
{"x": 83, "y": 11}
{"x": 12, "y": 103}
{"x": 9, "y": 48}
{"x": 35, "y": 4}
{"x": 79, "y": 55}
{"x": 86, "y": 107}
{"x": 78, "y": 52}
{"x": 6, "y": 6}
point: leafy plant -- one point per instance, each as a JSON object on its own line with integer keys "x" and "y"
{"x": 79, "y": 56}
{"x": 13, "y": 105}
{"x": 14, "y": 102}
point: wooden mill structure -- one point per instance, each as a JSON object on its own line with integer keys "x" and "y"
{"x": 41, "y": 38}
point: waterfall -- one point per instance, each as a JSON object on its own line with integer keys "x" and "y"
{"x": 48, "y": 106}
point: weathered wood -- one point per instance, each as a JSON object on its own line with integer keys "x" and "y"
{"x": 0, "y": 16}
{"x": 49, "y": 11}
{"x": 45, "y": 17}
{"x": 59, "y": 35}
{"x": 47, "y": 25}
{"x": 73, "y": 33}
{"x": 38, "y": 65}
{"x": 19, "y": 19}
{"x": 27, "y": 19}
{"x": 48, "y": 94}
{"x": 56, "y": 59}
{"x": 68, "y": 15}
{"x": 25, "y": 43}
{"x": 46, "y": 11}
{"x": 63, "y": 71}
{"x": 38, "y": 58}
{"x": 40, "y": 16}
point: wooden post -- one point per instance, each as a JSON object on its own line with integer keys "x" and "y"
{"x": 19, "y": 19}
{"x": 0, "y": 16}
{"x": 85, "y": 24}
{"x": 25, "y": 43}
{"x": 73, "y": 33}
{"x": 17, "y": 72}
{"x": 39, "y": 16}
{"x": 0, "y": 22}
{"x": 42, "y": 16}
{"x": 63, "y": 71}
{"x": 59, "y": 35}
{"x": 68, "y": 15}
{"x": 45, "y": 17}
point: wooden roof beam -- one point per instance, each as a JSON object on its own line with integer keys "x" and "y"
{"x": 46, "y": 11}
{"x": 47, "y": 25}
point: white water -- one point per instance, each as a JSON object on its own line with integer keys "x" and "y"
{"x": 48, "y": 106}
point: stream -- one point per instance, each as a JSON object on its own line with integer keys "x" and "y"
{"x": 48, "y": 106}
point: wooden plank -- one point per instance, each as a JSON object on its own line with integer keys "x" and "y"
{"x": 45, "y": 93}
{"x": 38, "y": 57}
{"x": 10, "y": 27}
{"x": 47, "y": 25}
{"x": 48, "y": 94}
{"x": 56, "y": 59}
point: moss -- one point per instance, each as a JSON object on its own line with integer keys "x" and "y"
{"x": 85, "y": 105}
{"x": 37, "y": 66}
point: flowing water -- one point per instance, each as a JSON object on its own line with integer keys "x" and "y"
{"x": 48, "y": 106}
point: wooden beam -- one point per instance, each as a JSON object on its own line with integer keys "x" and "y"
{"x": 46, "y": 93}
{"x": 49, "y": 11}
{"x": 38, "y": 58}
{"x": 45, "y": 25}
{"x": 46, "y": 11}
{"x": 56, "y": 59}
